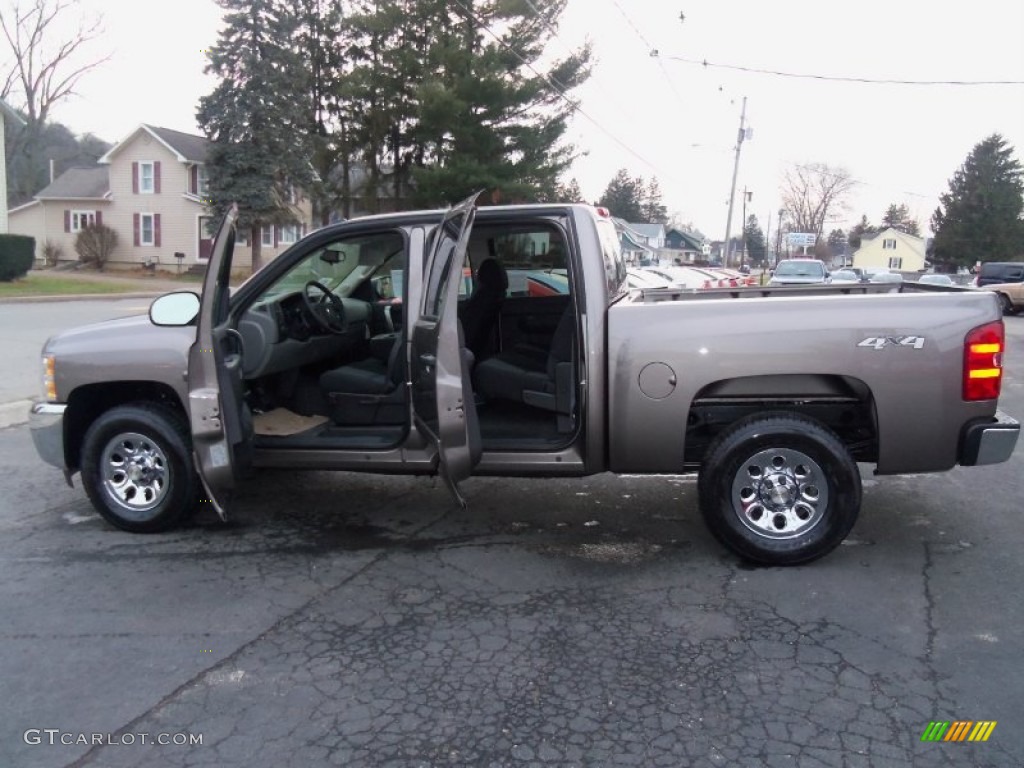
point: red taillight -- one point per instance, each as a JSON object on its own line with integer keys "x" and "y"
{"x": 983, "y": 362}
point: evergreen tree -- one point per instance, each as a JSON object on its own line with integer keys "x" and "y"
{"x": 489, "y": 114}
{"x": 898, "y": 217}
{"x": 979, "y": 218}
{"x": 753, "y": 240}
{"x": 654, "y": 211}
{"x": 624, "y": 196}
{"x": 858, "y": 230}
{"x": 259, "y": 155}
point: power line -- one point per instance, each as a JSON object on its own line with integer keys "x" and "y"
{"x": 837, "y": 78}
{"x": 653, "y": 53}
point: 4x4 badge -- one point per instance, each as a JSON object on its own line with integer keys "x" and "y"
{"x": 879, "y": 342}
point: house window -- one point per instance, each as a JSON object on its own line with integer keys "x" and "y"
{"x": 202, "y": 181}
{"x": 82, "y": 219}
{"x": 147, "y": 229}
{"x": 147, "y": 178}
{"x": 289, "y": 234}
{"x": 895, "y": 262}
{"x": 889, "y": 244}
{"x": 268, "y": 236}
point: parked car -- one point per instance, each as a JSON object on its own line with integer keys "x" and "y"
{"x": 685, "y": 277}
{"x": 993, "y": 272}
{"x": 886, "y": 277}
{"x": 844, "y": 276}
{"x": 800, "y": 272}
{"x": 644, "y": 278}
{"x": 1011, "y": 296}
{"x": 936, "y": 279}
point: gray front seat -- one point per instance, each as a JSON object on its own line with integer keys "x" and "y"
{"x": 369, "y": 391}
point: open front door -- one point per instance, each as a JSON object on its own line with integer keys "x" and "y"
{"x": 220, "y": 421}
{"x": 442, "y": 394}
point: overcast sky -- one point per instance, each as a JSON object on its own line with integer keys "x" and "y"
{"x": 663, "y": 116}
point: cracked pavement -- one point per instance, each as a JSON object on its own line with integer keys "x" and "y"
{"x": 365, "y": 621}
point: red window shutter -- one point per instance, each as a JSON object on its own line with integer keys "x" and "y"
{"x": 156, "y": 229}
{"x": 135, "y": 178}
{"x": 135, "y": 227}
{"x": 67, "y": 220}
{"x": 99, "y": 218}
{"x": 193, "y": 180}
{"x": 156, "y": 177}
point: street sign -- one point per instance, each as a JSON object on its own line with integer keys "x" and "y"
{"x": 801, "y": 239}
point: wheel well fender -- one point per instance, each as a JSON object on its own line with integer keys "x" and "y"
{"x": 88, "y": 402}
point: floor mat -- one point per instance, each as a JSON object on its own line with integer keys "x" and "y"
{"x": 283, "y": 422}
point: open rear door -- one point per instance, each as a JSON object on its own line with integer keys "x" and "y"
{"x": 440, "y": 365}
{"x": 220, "y": 421}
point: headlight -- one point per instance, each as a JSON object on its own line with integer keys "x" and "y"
{"x": 49, "y": 380}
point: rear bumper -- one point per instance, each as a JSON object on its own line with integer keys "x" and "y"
{"x": 989, "y": 442}
{"x": 46, "y": 423}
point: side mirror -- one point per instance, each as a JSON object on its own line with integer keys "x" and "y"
{"x": 174, "y": 309}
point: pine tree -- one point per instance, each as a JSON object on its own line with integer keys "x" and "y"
{"x": 753, "y": 240}
{"x": 979, "y": 218}
{"x": 898, "y": 217}
{"x": 624, "y": 196}
{"x": 654, "y": 211}
{"x": 258, "y": 153}
{"x": 858, "y": 230}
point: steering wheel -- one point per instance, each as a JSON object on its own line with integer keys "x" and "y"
{"x": 328, "y": 310}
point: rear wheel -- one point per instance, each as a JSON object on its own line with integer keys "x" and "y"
{"x": 137, "y": 468}
{"x": 1006, "y": 304}
{"x": 779, "y": 489}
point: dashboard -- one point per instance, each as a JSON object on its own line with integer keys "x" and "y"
{"x": 282, "y": 334}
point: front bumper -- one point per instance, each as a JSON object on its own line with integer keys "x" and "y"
{"x": 989, "y": 442}
{"x": 46, "y": 423}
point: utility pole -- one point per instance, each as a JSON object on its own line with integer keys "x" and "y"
{"x": 778, "y": 237}
{"x": 767, "y": 240}
{"x": 747, "y": 196}
{"x": 732, "y": 190}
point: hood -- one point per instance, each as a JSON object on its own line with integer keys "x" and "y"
{"x": 129, "y": 349}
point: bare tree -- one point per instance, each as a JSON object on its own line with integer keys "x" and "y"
{"x": 46, "y": 65}
{"x": 814, "y": 194}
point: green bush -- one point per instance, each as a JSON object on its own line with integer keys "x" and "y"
{"x": 17, "y": 252}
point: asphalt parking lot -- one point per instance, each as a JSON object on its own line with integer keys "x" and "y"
{"x": 364, "y": 621}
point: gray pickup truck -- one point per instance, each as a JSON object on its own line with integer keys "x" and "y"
{"x": 505, "y": 341}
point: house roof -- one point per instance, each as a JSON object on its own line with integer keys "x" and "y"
{"x": 648, "y": 230}
{"x": 694, "y": 241}
{"x": 78, "y": 184}
{"x": 11, "y": 113}
{"x": 627, "y": 237}
{"x": 187, "y": 147}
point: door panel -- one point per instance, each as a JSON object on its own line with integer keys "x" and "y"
{"x": 443, "y": 404}
{"x": 220, "y": 423}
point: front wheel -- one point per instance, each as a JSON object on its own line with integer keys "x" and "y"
{"x": 137, "y": 467}
{"x": 779, "y": 489}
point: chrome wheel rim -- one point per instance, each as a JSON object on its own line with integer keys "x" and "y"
{"x": 780, "y": 493}
{"x": 135, "y": 473}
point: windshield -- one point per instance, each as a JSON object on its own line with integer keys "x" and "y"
{"x": 341, "y": 265}
{"x": 800, "y": 269}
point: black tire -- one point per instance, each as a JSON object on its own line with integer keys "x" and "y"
{"x": 1006, "y": 304}
{"x": 137, "y": 467}
{"x": 779, "y": 489}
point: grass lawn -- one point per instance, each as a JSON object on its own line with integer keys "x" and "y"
{"x": 47, "y": 285}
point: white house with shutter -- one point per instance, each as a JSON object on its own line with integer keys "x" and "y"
{"x": 150, "y": 189}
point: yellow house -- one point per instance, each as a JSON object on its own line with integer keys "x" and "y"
{"x": 150, "y": 189}
{"x": 891, "y": 249}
